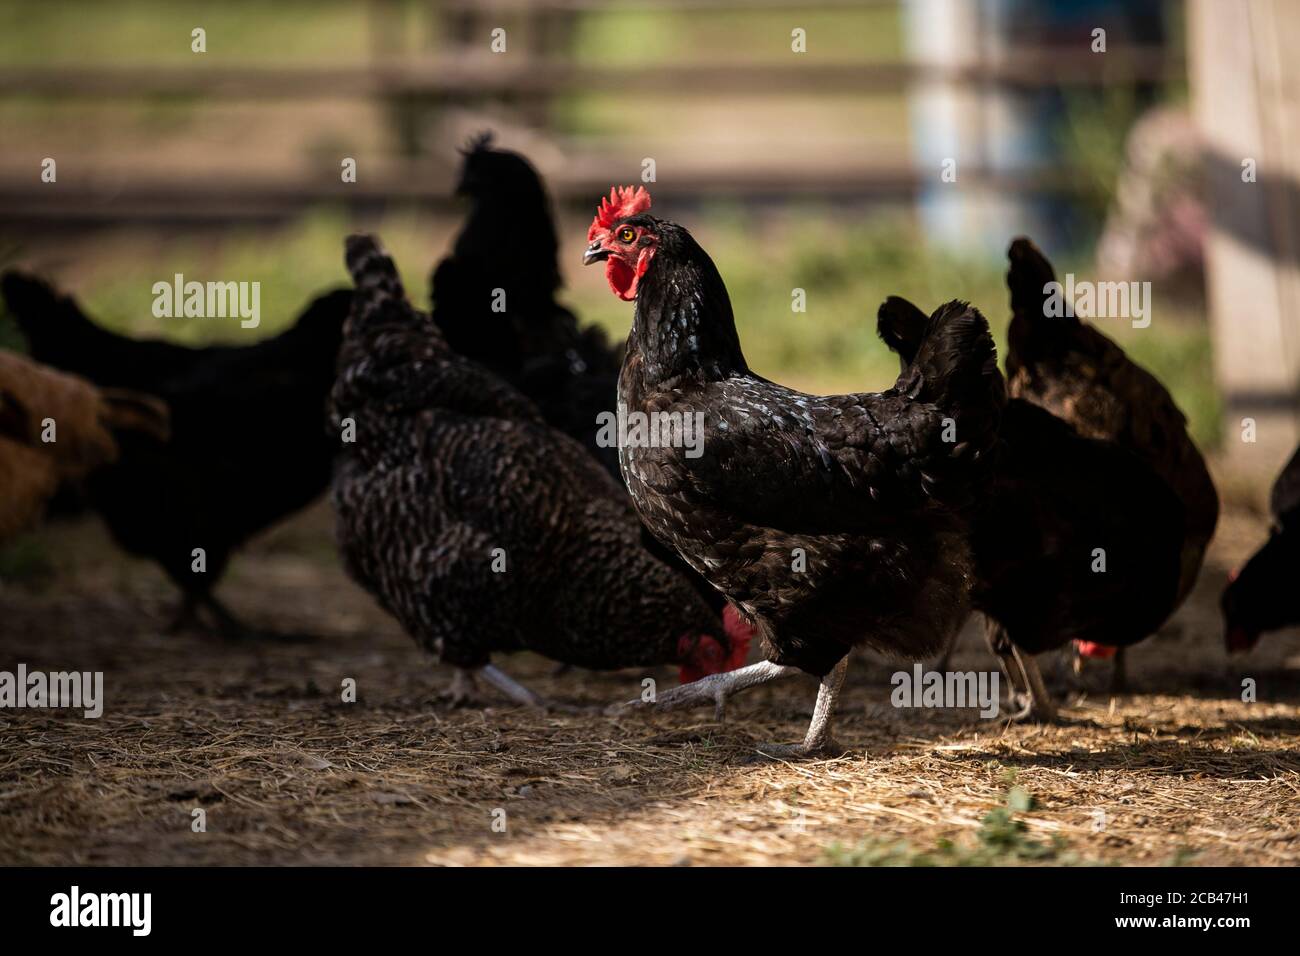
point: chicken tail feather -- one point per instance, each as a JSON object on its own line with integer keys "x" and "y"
{"x": 1036, "y": 329}
{"x": 901, "y": 325}
{"x": 373, "y": 273}
{"x": 1028, "y": 273}
{"x": 955, "y": 365}
{"x": 955, "y": 369}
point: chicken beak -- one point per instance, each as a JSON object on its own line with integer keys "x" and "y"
{"x": 594, "y": 253}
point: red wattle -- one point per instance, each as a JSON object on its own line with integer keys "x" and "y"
{"x": 1093, "y": 649}
{"x": 739, "y": 635}
{"x": 621, "y": 278}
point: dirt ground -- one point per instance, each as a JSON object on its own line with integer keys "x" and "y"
{"x": 259, "y": 738}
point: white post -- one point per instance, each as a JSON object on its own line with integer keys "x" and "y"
{"x": 1244, "y": 76}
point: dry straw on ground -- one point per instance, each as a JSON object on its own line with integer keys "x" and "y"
{"x": 258, "y": 737}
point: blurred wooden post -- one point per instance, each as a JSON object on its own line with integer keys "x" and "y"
{"x": 984, "y": 125}
{"x": 1244, "y": 77}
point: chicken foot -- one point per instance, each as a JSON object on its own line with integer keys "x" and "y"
{"x": 1029, "y": 692}
{"x": 716, "y": 688}
{"x": 1119, "y": 673}
{"x": 228, "y": 626}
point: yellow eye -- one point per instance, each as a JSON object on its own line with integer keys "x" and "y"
{"x": 626, "y": 234}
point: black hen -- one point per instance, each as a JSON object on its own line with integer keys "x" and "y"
{"x": 494, "y": 299}
{"x": 505, "y": 258}
{"x": 830, "y": 520}
{"x": 1078, "y": 539}
{"x": 248, "y": 440}
{"x": 479, "y": 527}
{"x": 1262, "y": 596}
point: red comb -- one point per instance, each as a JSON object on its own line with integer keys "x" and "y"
{"x": 623, "y": 201}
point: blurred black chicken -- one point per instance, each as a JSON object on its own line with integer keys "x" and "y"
{"x": 831, "y": 521}
{"x": 1061, "y": 504}
{"x": 494, "y": 299}
{"x": 1263, "y": 596}
{"x": 481, "y": 528}
{"x": 248, "y": 443}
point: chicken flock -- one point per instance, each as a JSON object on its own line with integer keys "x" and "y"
{"x": 482, "y": 503}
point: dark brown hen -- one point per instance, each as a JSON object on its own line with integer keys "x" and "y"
{"x": 1077, "y": 539}
{"x": 1080, "y": 375}
{"x": 832, "y": 521}
{"x": 1262, "y": 596}
{"x": 480, "y": 528}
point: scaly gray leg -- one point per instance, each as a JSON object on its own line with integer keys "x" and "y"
{"x": 516, "y": 691}
{"x": 714, "y": 689}
{"x": 818, "y": 739}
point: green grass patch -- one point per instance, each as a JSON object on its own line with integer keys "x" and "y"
{"x": 1002, "y": 839}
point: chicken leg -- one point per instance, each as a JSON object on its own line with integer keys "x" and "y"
{"x": 1119, "y": 673}
{"x": 228, "y": 626}
{"x": 818, "y": 739}
{"x": 464, "y": 691}
{"x": 1028, "y": 690}
{"x": 716, "y": 688}
{"x": 516, "y": 691}
{"x": 224, "y": 624}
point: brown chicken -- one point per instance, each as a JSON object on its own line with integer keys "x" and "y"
{"x": 1056, "y": 499}
{"x": 57, "y": 428}
{"x": 1262, "y": 596}
{"x": 1074, "y": 371}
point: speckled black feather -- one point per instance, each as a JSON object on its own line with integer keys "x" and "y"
{"x": 449, "y": 464}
